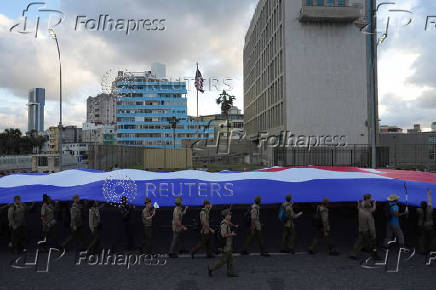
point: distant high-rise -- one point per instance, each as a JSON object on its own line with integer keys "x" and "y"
{"x": 36, "y": 106}
{"x": 101, "y": 109}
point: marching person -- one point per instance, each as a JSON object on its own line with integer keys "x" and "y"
{"x": 48, "y": 221}
{"x": 393, "y": 227}
{"x": 367, "y": 232}
{"x": 76, "y": 225}
{"x": 177, "y": 226}
{"x": 425, "y": 224}
{"x": 227, "y": 256}
{"x": 17, "y": 224}
{"x": 255, "y": 229}
{"x": 206, "y": 231}
{"x": 94, "y": 226}
{"x": 147, "y": 219}
{"x": 322, "y": 228}
{"x": 288, "y": 238}
{"x": 126, "y": 211}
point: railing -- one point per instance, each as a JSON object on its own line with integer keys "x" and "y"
{"x": 20, "y": 162}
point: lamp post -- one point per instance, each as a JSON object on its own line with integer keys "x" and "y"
{"x": 53, "y": 36}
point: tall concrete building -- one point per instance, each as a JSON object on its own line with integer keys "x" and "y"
{"x": 35, "y": 109}
{"x": 307, "y": 69}
{"x": 101, "y": 109}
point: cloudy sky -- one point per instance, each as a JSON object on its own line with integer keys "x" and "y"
{"x": 209, "y": 32}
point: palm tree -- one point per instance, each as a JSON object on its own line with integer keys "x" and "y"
{"x": 226, "y": 102}
{"x": 173, "y": 122}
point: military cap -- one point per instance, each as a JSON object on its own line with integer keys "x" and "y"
{"x": 226, "y": 212}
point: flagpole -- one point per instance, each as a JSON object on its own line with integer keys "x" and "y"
{"x": 197, "y": 94}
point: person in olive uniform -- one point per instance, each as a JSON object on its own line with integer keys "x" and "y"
{"x": 126, "y": 211}
{"x": 76, "y": 224}
{"x": 255, "y": 229}
{"x": 147, "y": 219}
{"x": 227, "y": 256}
{"x": 425, "y": 224}
{"x": 48, "y": 222}
{"x": 94, "y": 227}
{"x": 177, "y": 226}
{"x": 367, "y": 232}
{"x": 17, "y": 224}
{"x": 322, "y": 228}
{"x": 206, "y": 231}
{"x": 288, "y": 238}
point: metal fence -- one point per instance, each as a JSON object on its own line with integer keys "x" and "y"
{"x": 13, "y": 163}
{"x": 399, "y": 156}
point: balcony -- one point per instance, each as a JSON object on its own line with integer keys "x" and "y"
{"x": 329, "y": 11}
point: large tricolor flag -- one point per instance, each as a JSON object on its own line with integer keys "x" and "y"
{"x": 306, "y": 184}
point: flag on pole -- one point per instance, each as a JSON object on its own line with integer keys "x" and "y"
{"x": 199, "y": 81}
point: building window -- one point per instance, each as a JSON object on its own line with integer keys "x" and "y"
{"x": 432, "y": 147}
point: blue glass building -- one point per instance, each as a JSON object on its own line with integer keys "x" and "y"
{"x": 145, "y": 107}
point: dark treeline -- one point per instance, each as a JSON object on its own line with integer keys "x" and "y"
{"x": 13, "y": 142}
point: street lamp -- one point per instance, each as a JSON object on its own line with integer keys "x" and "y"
{"x": 53, "y": 36}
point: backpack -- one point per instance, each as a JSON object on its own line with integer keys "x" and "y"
{"x": 283, "y": 215}
{"x": 317, "y": 221}
{"x": 247, "y": 217}
{"x": 220, "y": 241}
{"x": 197, "y": 222}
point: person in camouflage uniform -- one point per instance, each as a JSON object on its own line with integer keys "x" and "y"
{"x": 425, "y": 224}
{"x": 322, "y": 228}
{"x": 94, "y": 226}
{"x": 17, "y": 224}
{"x": 206, "y": 231}
{"x": 177, "y": 226}
{"x": 147, "y": 219}
{"x": 288, "y": 238}
{"x": 76, "y": 224}
{"x": 227, "y": 255}
{"x": 367, "y": 232}
{"x": 48, "y": 221}
{"x": 255, "y": 229}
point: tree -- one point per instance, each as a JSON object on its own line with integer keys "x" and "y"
{"x": 173, "y": 122}
{"x": 226, "y": 102}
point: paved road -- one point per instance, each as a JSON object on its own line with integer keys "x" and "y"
{"x": 300, "y": 271}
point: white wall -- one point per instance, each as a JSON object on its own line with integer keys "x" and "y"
{"x": 326, "y": 78}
